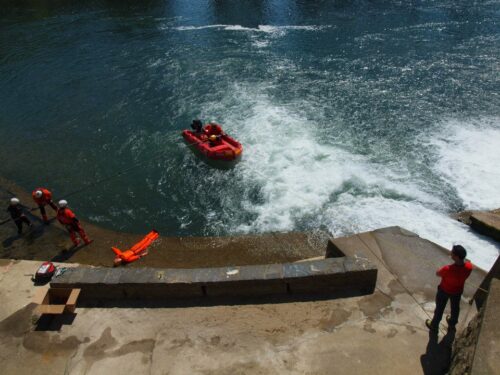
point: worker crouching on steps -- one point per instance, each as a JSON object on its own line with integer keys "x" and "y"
{"x": 67, "y": 218}
{"x": 43, "y": 197}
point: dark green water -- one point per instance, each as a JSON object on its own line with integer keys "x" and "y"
{"x": 353, "y": 114}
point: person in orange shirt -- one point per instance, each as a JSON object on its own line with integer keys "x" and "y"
{"x": 67, "y": 218}
{"x": 135, "y": 252}
{"x": 43, "y": 197}
{"x": 453, "y": 278}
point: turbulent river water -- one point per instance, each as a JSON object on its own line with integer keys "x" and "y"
{"x": 354, "y": 115}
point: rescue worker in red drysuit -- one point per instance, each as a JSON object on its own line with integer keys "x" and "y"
{"x": 17, "y": 214}
{"x": 453, "y": 278}
{"x": 213, "y": 129}
{"x": 67, "y": 218}
{"x": 135, "y": 252}
{"x": 43, "y": 197}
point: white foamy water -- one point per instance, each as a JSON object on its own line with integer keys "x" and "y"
{"x": 262, "y": 35}
{"x": 261, "y": 28}
{"x": 469, "y": 158}
{"x": 357, "y": 214}
{"x": 301, "y": 177}
{"x": 188, "y": 28}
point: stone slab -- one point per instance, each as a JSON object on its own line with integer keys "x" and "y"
{"x": 246, "y": 288}
{"x": 315, "y": 276}
{"x": 487, "y": 223}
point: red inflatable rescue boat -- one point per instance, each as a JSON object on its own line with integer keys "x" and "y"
{"x": 213, "y": 143}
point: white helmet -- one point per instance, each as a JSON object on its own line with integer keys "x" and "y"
{"x": 38, "y": 193}
{"x": 63, "y": 203}
{"x": 213, "y": 122}
{"x": 14, "y": 201}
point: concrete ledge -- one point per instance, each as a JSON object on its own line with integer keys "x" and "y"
{"x": 316, "y": 276}
{"x": 486, "y": 223}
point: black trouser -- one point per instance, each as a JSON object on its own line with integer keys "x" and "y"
{"x": 441, "y": 301}
{"x": 42, "y": 207}
{"x": 19, "y": 223}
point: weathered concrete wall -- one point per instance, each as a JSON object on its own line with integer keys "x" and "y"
{"x": 464, "y": 347}
{"x": 477, "y": 350}
{"x": 487, "y": 355}
{"x": 317, "y": 276}
{"x": 480, "y": 295}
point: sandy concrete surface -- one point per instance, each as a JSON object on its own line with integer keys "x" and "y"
{"x": 382, "y": 333}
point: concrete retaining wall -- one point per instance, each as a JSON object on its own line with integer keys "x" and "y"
{"x": 487, "y": 353}
{"x": 476, "y": 350}
{"x": 342, "y": 274}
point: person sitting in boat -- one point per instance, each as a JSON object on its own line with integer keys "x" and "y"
{"x": 213, "y": 129}
{"x": 215, "y": 140}
{"x": 197, "y": 126}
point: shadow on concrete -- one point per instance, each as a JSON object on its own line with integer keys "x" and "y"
{"x": 40, "y": 281}
{"x": 436, "y": 359}
{"x": 18, "y": 323}
{"x": 22, "y": 321}
{"x": 29, "y": 234}
{"x": 208, "y": 301}
{"x": 49, "y": 322}
{"x": 10, "y": 240}
{"x": 65, "y": 255}
{"x": 36, "y": 231}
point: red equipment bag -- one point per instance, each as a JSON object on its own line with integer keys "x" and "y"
{"x": 45, "y": 271}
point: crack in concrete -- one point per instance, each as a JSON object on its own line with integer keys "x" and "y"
{"x": 152, "y": 354}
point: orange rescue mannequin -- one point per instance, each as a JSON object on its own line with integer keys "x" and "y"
{"x": 135, "y": 252}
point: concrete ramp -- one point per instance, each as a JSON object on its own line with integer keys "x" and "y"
{"x": 407, "y": 264}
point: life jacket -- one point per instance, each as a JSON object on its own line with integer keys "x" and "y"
{"x": 45, "y": 198}
{"x": 65, "y": 216}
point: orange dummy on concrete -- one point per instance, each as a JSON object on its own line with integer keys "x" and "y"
{"x": 137, "y": 251}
